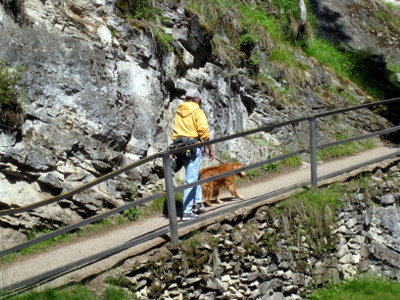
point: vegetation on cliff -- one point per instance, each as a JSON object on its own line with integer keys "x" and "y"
{"x": 255, "y": 33}
{"x": 11, "y": 109}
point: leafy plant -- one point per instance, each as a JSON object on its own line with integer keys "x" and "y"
{"x": 10, "y": 108}
{"x": 133, "y": 213}
{"x": 272, "y": 167}
{"x": 247, "y": 40}
{"x": 131, "y": 192}
{"x": 255, "y": 58}
{"x": 253, "y": 173}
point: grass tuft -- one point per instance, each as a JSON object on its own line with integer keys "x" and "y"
{"x": 364, "y": 288}
{"x": 308, "y": 215}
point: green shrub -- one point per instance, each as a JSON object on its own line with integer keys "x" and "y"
{"x": 138, "y": 9}
{"x": 255, "y": 58}
{"x": 132, "y": 213}
{"x": 10, "y": 108}
{"x": 247, "y": 40}
{"x": 364, "y": 68}
{"x": 272, "y": 167}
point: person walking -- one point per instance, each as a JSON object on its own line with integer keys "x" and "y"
{"x": 191, "y": 126}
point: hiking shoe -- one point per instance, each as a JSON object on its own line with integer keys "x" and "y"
{"x": 189, "y": 216}
{"x": 198, "y": 208}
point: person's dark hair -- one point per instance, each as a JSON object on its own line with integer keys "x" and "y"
{"x": 193, "y": 99}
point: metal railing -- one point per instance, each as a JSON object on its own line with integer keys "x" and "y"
{"x": 171, "y": 190}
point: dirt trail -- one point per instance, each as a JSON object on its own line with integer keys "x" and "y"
{"x": 29, "y": 266}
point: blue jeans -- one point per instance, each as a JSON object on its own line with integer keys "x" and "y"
{"x": 193, "y": 194}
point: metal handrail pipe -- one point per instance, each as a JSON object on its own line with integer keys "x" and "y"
{"x": 159, "y": 155}
{"x": 236, "y": 135}
{"x": 361, "y": 137}
{"x": 236, "y": 171}
{"x": 367, "y": 105}
{"x": 84, "y": 187}
{"x": 46, "y": 276}
{"x": 72, "y": 227}
{"x": 242, "y": 204}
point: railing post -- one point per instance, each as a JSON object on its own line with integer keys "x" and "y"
{"x": 169, "y": 186}
{"x": 313, "y": 152}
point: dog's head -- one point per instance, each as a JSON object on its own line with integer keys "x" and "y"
{"x": 238, "y": 166}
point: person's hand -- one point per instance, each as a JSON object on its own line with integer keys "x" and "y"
{"x": 210, "y": 152}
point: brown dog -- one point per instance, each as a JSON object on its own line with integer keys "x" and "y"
{"x": 211, "y": 189}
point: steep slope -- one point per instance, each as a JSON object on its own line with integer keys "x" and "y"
{"x": 100, "y": 87}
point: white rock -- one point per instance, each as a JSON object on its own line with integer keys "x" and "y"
{"x": 347, "y": 259}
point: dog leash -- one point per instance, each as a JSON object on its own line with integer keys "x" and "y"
{"x": 204, "y": 152}
{"x": 218, "y": 160}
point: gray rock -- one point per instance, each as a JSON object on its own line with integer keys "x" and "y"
{"x": 388, "y": 199}
{"x": 274, "y": 296}
{"x": 10, "y": 237}
{"x": 386, "y": 255}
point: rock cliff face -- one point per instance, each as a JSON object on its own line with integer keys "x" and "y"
{"x": 101, "y": 93}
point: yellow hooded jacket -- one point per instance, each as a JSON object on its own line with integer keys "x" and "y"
{"x": 190, "y": 121}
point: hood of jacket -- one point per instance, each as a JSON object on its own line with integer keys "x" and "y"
{"x": 187, "y": 108}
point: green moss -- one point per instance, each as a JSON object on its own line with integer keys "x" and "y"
{"x": 270, "y": 241}
{"x": 193, "y": 257}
